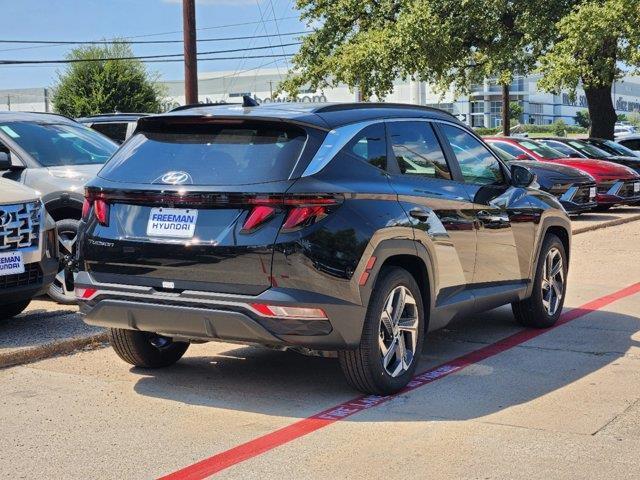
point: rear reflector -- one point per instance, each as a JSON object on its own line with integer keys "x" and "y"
{"x": 289, "y": 312}
{"x": 85, "y": 293}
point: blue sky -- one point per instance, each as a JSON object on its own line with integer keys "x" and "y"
{"x": 105, "y": 19}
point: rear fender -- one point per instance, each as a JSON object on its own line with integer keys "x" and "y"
{"x": 384, "y": 250}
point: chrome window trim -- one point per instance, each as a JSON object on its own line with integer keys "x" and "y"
{"x": 338, "y": 138}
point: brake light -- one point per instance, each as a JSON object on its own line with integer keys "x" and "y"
{"x": 304, "y": 210}
{"x": 289, "y": 312}
{"x": 300, "y": 216}
{"x": 101, "y": 211}
{"x": 100, "y": 208}
{"x": 86, "y": 208}
{"x": 257, "y": 217}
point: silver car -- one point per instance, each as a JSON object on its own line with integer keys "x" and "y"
{"x": 56, "y": 156}
{"x": 28, "y": 248}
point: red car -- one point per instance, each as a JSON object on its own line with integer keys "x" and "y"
{"x": 616, "y": 184}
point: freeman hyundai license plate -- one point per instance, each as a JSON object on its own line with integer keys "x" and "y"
{"x": 172, "y": 222}
{"x": 11, "y": 263}
{"x": 636, "y": 187}
{"x": 592, "y": 192}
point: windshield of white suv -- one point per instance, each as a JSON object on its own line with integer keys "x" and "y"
{"x": 54, "y": 145}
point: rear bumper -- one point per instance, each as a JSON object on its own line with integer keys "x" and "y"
{"x": 199, "y": 315}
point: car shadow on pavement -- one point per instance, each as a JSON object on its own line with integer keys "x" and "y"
{"x": 290, "y": 385}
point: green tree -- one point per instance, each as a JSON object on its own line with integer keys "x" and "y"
{"x": 599, "y": 42}
{"x": 582, "y": 118}
{"x": 368, "y": 44}
{"x": 515, "y": 111}
{"x": 559, "y": 128}
{"x": 95, "y": 83}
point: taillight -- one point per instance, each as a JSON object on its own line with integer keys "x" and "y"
{"x": 100, "y": 208}
{"x": 257, "y": 217}
{"x": 301, "y": 210}
{"x": 101, "y": 211}
{"x": 86, "y": 208}
{"x": 301, "y": 216}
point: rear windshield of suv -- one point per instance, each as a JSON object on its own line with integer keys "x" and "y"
{"x": 209, "y": 155}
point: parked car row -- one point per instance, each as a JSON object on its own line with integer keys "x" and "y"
{"x": 592, "y": 178}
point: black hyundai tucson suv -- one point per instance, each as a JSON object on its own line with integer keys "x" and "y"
{"x": 348, "y": 228}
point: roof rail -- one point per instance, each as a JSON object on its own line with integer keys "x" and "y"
{"x": 196, "y": 105}
{"x": 337, "y": 107}
{"x": 113, "y": 114}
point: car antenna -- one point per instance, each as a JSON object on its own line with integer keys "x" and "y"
{"x": 247, "y": 101}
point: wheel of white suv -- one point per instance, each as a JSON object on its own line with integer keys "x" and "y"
{"x": 392, "y": 336}
{"x": 543, "y": 308}
{"x": 10, "y": 310}
{"x": 146, "y": 349}
{"x": 61, "y": 290}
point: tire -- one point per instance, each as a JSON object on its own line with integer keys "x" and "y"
{"x": 10, "y": 310}
{"x": 61, "y": 290}
{"x": 532, "y": 312}
{"x": 146, "y": 349}
{"x": 363, "y": 367}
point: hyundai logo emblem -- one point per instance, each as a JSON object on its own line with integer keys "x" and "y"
{"x": 5, "y": 218}
{"x": 176, "y": 178}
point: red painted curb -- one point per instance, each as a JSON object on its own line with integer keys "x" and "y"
{"x": 253, "y": 448}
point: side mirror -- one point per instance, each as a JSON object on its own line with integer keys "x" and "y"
{"x": 523, "y": 156}
{"x": 5, "y": 161}
{"x": 521, "y": 176}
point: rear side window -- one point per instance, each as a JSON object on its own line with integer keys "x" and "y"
{"x": 370, "y": 146}
{"x": 218, "y": 154}
{"x": 417, "y": 150}
{"x": 115, "y": 131}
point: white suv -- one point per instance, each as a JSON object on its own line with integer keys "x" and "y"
{"x": 28, "y": 248}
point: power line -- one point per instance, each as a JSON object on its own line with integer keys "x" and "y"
{"x": 144, "y": 42}
{"x": 159, "y": 34}
{"x": 27, "y": 63}
{"x": 141, "y": 57}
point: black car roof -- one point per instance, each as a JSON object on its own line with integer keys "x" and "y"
{"x": 321, "y": 115}
{"x": 38, "y": 117}
{"x": 113, "y": 117}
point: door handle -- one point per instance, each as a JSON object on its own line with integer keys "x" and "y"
{"x": 419, "y": 214}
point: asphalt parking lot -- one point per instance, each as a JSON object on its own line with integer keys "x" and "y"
{"x": 564, "y": 403}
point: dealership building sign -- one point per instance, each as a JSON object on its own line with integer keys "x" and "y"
{"x": 621, "y": 104}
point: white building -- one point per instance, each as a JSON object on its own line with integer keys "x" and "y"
{"x": 481, "y": 108}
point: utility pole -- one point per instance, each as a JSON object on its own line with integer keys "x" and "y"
{"x": 190, "y": 51}
{"x": 271, "y": 90}
{"x": 9, "y": 102}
